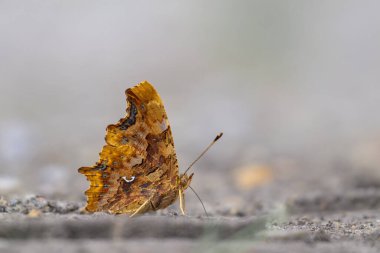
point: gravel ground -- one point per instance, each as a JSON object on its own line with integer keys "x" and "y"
{"x": 347, "y": 222}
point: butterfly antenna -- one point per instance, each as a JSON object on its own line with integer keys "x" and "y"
{"x": 196, "y": 194}
{"x": 204, "y": 152}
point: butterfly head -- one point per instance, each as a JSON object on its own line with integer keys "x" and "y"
{"x": 185, "y": 180}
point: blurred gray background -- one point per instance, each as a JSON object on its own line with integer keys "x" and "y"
{"x": 294, "y": 85}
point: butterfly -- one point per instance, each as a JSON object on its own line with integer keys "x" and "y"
{"x": 137, "y": 169}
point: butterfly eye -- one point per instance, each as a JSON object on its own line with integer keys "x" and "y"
{"x": 128, "y": 180}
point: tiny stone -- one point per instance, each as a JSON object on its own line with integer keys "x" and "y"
{"x": 301, "y": 222}
{"x": 14, "y": 202}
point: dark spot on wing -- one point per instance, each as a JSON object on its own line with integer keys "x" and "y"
{"x": 145, "y": 185}
{"x": 101, "y": 166}
{"x": 131, "y": 120}
{"x": 152, "y": 170}
{"x": 145, "y": 192}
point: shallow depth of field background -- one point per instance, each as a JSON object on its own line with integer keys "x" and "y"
{"x": 294, "y": 85}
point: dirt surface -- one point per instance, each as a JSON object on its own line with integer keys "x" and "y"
{"x": 337, "y": 223}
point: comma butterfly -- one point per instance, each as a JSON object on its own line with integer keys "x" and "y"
{"x": 137, "y": 170}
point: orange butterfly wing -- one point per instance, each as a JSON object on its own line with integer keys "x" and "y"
{"x": 139, "y": 162}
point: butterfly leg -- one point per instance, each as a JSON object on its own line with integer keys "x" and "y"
{"x": 181, "y": 201}
{"x": 145, "y": 204}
